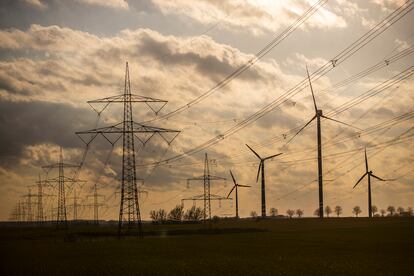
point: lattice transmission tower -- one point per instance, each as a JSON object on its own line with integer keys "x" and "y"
{"x": 128, "y": 130}
{"x": 206, "y": 197}
{"x": 61, "y": 180}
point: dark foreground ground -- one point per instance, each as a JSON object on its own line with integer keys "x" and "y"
{"x": 381, "y": 246}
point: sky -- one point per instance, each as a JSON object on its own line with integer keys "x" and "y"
{"x": 57, "y": 55}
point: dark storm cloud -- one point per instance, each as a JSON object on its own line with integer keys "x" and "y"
{"x": 31, "y": 123}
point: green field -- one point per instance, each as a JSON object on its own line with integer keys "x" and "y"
{"x": 380, "y": 246}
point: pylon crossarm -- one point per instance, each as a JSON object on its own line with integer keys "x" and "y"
{"x": 66, "y": 179}
{"x": 213, "y": 177}
{"x": 122, "y": 98}
{"x": 57, "y": 165}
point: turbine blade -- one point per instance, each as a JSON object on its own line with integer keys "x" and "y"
{"x": 269, "y": 157}
{"x": 379, "y": 178}
{"x": 232, "y": 176}
{"x": 258, "y": 171}
{"x": 246, "y": 186}
{"x": 313, "y": 96}
{"x": 323, "y": 116}
{"x": 313, "y": 118}
{"x": 366, "y": 160}
{"x": 231, "y": 191}
{"x": 362, "y": 177}
{"x": 255, "y": 153}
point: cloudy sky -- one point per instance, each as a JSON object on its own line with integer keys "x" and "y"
{"x": 57, "y": 55}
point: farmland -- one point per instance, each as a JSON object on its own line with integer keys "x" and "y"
{"x": 380, "y": 246}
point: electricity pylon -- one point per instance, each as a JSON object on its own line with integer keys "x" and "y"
{"x": 29, "y": 204}
{"x": 61, "y": 180}
{"x": 236, "y": 185}
{"x": 74, "y": 205}
{"x": 318, "y": 115}
{"x": 128, "y": 129}
{"x": 369, "y": 174}
{"x": 262, "y": 169}
{"x": 206, "y": 197}
{"x": 96, "y": 204}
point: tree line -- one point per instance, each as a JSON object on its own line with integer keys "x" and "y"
{"x": 390, "y": 212}
{"x": 177, "y": 214}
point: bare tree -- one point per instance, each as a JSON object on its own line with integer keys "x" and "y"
{"x": 356, "y": 210}
{"x": 338, "y": 210}
{"x": 194, "y": 214}
{"x": 391, "y": 210}
{"x": 273, "y": 212}
{"x": 400, "y": 210}
{"x": 374, "y": 210}
{"x": 154, "y": 215}
{"x": 382, "y": 212}
{"x": 159, "y": 216}
{"x": 253, "y": 214}
{"x": 328, "y": 210}
{"x": 177, "y": 213}
{"x": 299, "y": 213}
{"x": 290, "y": 213}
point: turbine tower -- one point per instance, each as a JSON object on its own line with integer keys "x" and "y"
{"x": 236, "y": 185}
{"x": 262, "y": 169}
{"x": 318, "y": 115}
{"x": 369, "y": 174}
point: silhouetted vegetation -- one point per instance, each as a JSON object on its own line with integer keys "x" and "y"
{"x": 338, "y": 210}
{"x": 356, "y": 210}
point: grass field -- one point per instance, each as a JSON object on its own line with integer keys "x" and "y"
{"x": 348, "y": 246}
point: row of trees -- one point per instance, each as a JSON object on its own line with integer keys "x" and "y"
{"x": 177, "y": 214}
{"x": 390, "y": 211}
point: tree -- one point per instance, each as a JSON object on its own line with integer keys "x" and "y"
{"x": 382, "y": 212}
{"x": 400, "y": 210}
{"x": 177, "y": 213}
{"x": 410, "y": 211}
{"x": 338, "y": 210}
{"x": 290, "y": 213}
{"x": 273, "y": 212}
{"x": 299, "y": 212}
{"x": 253, "y": 214}
{"x": 391, "y": 210}
{"x": 154, "y": 215}
{"x": 159, "y": 216}
{"x": 316, "y": 212}
{"x": 194, "y": 214}
{"x": 328, "y": 210}
{"x": 374, "y": 209}
{"x": 356, "y": 210}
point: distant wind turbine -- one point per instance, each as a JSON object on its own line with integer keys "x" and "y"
{"x": 369, "y": 174}
{"x": 317, "y": 116}
{"x": 261, "y": 168}
{"x": 236, "y": 185}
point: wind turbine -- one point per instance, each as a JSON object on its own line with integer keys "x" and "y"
{"x": 369, "y": 174}
{"x": 318, "y": 115}
{"x": 261, "y": 168}
{"x": 237, "y": 195}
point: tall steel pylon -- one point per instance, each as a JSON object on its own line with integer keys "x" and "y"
{"x": 206, "y": 197}
{"x": 61, "y": 180}
{"x": 96, "y": 204}
{"x": 128, "y": 129}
